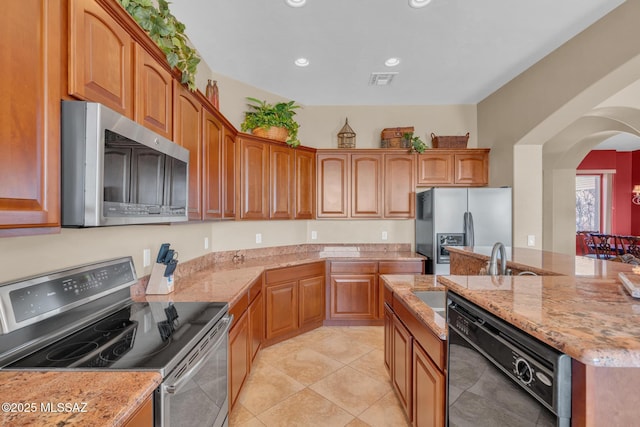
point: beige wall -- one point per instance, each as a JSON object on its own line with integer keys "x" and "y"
{"x": 539, "y": 105}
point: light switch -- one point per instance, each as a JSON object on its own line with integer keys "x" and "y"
{"x": 531, "y": 240}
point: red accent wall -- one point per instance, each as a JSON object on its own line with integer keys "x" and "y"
{"x": 626, "y": 215}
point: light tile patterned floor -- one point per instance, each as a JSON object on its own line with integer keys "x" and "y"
{"x": 332, "y": 376}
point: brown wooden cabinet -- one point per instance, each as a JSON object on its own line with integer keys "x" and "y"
{"x": 353, "y": 290}
{"x": 366, "y": 185}
{"x": 417, "y": 360}
{"x": 461, "y": 167}
{"x": 153, "y": 94}
{"x": 294, "y": 300}
{"x": 32, "y": 54}
{"x": 187, "y": 131}
{"x": 401, "y": 364}
{"x": 333, "y": 172}
{"x": 429, "y": 392}
{"x": 395, "y": 267}
{"x": 229, "y": 156}
{"x": 143, "y": 416}
{"x": 239, "y": 358}
{"x": 399, "y": 186}
{"x": 212, "y": 164}
{"x": 254, "y": 178}
{"x": 100, "y": 57}
{"x": 305, "y": 183}
{"x": 256, "y": 318}
{"x": 281, "y": 180}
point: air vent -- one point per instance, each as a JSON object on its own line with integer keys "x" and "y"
{"x": 381, "y": 79}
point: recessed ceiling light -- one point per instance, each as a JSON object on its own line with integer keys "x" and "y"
{"x": 301, "y": 62}
{"x": 392, "y": 62}
{"x": 419, "y": 3}
{"x": 295, "y": 3}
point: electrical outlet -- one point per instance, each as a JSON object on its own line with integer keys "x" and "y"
{"x": 531, "y": 240}
{"x": 314, "y": 235}
{"x": 206, "y": 243}
{"x": 384, "y": 235}
{"x": 146, "y": 257}
{"x": 258, "y": 237}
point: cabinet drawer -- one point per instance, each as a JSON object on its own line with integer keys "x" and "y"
{"x": 255, "y": 289}
{"x": 354, "y": 267}
{"x": 400, "y": 267}
{"x": 294, "y": 273}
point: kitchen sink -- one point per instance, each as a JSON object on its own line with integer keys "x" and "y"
{"x": 437, "y": 300}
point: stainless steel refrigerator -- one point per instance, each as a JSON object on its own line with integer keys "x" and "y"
{"x": 460, "y": 217}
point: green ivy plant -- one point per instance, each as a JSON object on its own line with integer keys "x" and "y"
{"x": 416, "y": 143}
{"x": 264, "y": 115}
{"x": 168, "y": 33}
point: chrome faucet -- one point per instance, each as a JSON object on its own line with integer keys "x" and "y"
{"x": 492, "y": 269}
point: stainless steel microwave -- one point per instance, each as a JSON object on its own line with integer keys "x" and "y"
{"x": 117, "y": 172}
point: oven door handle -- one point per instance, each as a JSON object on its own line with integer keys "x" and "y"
{"x": 173, "y": 388}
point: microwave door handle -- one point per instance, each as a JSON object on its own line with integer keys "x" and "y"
{"x": 175, "y": 387}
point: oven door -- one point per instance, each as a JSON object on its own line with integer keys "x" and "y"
{"x": 195, "y": 393}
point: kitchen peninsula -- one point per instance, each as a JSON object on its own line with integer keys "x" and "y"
{"x": 576, "y": 305}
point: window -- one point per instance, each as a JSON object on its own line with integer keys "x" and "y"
{"x": 588, "y": 202}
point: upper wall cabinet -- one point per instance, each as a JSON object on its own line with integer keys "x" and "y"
{"x": 154, "y": 94}
{"x": 32, "y": 47}
{"x": 454, "y": 168}
{"x": 100, "y": 57}
{"x": 365, "y": 184}
{"x": 187, "y": 131}
{"x": 305, "y": 185}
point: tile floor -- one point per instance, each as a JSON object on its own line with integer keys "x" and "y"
{"x": 332, "y": 376}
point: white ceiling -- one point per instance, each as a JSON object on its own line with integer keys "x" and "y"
{"x": 452, "y": 51}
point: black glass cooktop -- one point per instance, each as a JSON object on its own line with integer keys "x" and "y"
{"x": 149, "y": 335}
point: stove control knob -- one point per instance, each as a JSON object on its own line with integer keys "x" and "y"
{"x": 523, "y": 370}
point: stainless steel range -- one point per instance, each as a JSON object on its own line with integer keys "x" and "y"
{"x": 83, "y": 318}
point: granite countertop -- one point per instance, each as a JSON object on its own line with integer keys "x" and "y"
{"x": 403, "y": 286}
{"x": 585, "y": 313}
{"x": 112, "y": 397}
{"x": 541, "y": 262}
{"x": 73, "y": 398}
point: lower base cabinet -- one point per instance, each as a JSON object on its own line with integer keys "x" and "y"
{"x": 143, "y": 416}
{"x": 419, "y": 382}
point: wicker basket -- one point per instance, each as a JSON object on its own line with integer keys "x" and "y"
{"x": 449, "y": 141}
{"x": 394, "y": 137}
{"x": 275, "y": 133}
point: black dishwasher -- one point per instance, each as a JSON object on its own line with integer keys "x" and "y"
{"x": 498, "y": 375}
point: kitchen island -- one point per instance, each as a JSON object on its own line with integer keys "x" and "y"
{"x": 577, "y": 306}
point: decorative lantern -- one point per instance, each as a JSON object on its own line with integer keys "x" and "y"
{"x": 346, "y": 136}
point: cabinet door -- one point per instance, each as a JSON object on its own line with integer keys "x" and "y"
{"x": 143, "y": 416}
{"x": 187, "y": 131}
{"x": 100, "y": 53}
{"x": 388, "y": 334}
{"x": 333, "y": 185}
{"x": 428, "y": 391}
{"x": 366, "y": 186}
{"x": 401, "y": 364}
{"x": 254, "y": 179}
{"x": 472, "y": 169}
{"x": 212, "y": 135}
{"x": 30, "y": 114}
{"x": 435, "y": 168}
{"x": 399, "y": 186}
{"x": 256, "y": 325}
{"x": 311, "y": 300}
{"x": 281, "y": 182}
{"x": 239, "y": 359}
{"x": 154, "y": 94}
{"x": 229, "y": 174}
{"x": 305, "y": 184}
{"x": 353, "y": 296}
{"x": 281, "y": 309}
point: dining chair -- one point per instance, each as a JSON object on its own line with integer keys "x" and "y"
{"x": 631, "y": 245}
{"x": 587, "y": 246}
{"x": 605, "y": 245}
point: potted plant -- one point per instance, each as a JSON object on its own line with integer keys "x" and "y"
{"x": 415, "y": 143}
{"x": 264, "y": 120}
{"x": 168, "y": 33}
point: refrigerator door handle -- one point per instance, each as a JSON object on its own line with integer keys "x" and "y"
{"x": 468, "y": 229}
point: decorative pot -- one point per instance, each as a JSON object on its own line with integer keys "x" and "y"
{"x": 275, "y": 133}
